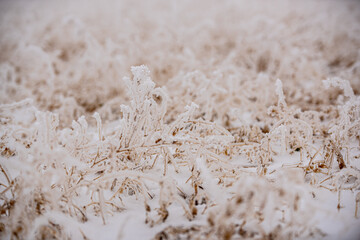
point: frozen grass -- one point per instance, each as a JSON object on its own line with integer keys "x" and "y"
{"x": 237, "y": 120}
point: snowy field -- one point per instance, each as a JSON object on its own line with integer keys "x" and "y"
{"x": 174, "y": 119}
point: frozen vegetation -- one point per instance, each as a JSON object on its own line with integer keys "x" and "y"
{"x": 179, "y": 119}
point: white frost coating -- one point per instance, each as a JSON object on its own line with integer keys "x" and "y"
{"x": 198, "y": 141}
{"x": 98, "y": 125}
{"x": 280, "y": 93}
{"x": 343, "y": 84}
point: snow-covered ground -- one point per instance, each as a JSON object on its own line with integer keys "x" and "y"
{"x": 179, "y": 119}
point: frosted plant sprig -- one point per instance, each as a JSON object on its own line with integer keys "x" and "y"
{"x": 348, "y": 124}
